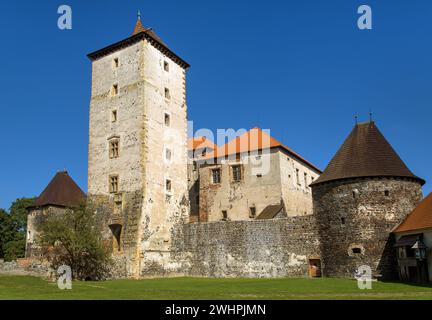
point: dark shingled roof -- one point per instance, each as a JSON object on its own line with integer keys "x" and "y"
{"x": 61, "y": 191}
{"x": 365, "y": 153}
{"x": 270, "y": 212}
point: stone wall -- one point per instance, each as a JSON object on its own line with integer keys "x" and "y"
{"x": 26, "y": 267}
{"x": 267, "y": 248}
{"x": 355, "y": 218}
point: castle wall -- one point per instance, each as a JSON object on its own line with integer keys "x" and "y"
{"x": 266, "y": 248}
{"x": 355, "y": 219}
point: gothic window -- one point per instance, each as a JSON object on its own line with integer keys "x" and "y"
{"x": 114, "y": 149}
{"x": 113, "y": 184}
{"x": 237, "y": 174}
{"x": 216, "y": 174}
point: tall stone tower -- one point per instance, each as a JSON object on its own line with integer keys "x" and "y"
{"x": 137, "y": 170}
{"x": 364, "y": 193}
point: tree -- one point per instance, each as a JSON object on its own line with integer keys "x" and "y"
{"x": 13, "y": 227}
{"x": 71, "y": 239}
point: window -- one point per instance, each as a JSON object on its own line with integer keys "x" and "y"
{"x": 195, "y": 167}
{"x": 166, "y": 66}
{"x": 167, "y": 93}
{"x": 306, "y": 180}
{"x": 356, "y": 250}
{"x": 113, "y": 184}
{"x": 298, "y": 176}
{"x": 252, "y": 212}
{"x": 168, "y": 185}
{"x": 237, "y": 176}
{"x": 115, "y": 63}
{"x": 114, "y": 90}
{"x": 354, "y": 194}
{"x": 114, "y": 116}
{"x": 204, "y": 152}
{"x": 342, "y": 220}
{"x": 312, "y": 179}
{"x": 259, "y": 175}
{"x": 224, "y": 215}
{"x": 167, "y": 120}
{"x": 113, "y": 149}
{"x": 387, "y": 193}
{"x": 216, "y": 173}
{"x": 168, "y": 154}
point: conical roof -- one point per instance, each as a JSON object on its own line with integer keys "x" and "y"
{"x": 365, "y": 153}
{"x": 61, "y": 191}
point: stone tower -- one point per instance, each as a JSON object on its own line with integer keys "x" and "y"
{"x": 364, "y": 193}
{"x": 137, "y": 170}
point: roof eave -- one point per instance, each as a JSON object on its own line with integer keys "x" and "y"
{"x": 132, "y": 40}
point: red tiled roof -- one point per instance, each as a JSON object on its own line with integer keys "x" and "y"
{"x": 61, "y": 191}
{"x": 253, "y": 140}
{"x": 365, "y": 153}
{"x": 200, "y": 143}
{"x": 419, "y": 218}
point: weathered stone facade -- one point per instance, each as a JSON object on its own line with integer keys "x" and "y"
{"x": 266, "y": 248}
{"x": 135, "y": 89}
{"x": 355, "y": 218}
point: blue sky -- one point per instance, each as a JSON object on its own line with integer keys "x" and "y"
{"x": 300, "y": 68}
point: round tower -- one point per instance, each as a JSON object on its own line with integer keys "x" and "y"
{"x": 365, "y": 192}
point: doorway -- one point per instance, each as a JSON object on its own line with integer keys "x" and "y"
{"x": 315, "y": 268}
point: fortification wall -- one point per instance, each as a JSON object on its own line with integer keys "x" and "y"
{"x": 268, "y": 248}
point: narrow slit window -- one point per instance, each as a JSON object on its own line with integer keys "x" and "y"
{"x": 114, "y": 90}
{"x": 167, "y": 93}
{"x": 166, "y": 66}
{"x": 114, "y": 116}
{"x": 116, "y": 63}
{"x": 252, "y": 212}
{"x": 168, "y": 185}
{"x": 167, "y": 120}
{"x": 225, "y": 215}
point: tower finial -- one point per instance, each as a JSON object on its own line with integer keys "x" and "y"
{"x": 356, "y": 119}
{"x": 139, "y": 15}
{"x": 370, "y": 116}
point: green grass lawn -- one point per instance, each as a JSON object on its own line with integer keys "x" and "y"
{"x": 24, "y": 287}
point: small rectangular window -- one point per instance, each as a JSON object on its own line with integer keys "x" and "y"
{"x": 167, "y": 93}
{"x": 237, "y": 174}
{"x": 298, "y": 176}
{"x": 167, "y": 120}
{"x": 113, "y": 149}
{"x": 168, "y": 154}
{"x": 113, "y": 184}
{"x": 195, "y": 166}
{"x": 306, "y": 180}
{"x": 216, "y": 173}
{"x": 252, "y": 212}
{"x": 168, "y": 185}
{"x": 166, "y": 66}
{"x": 114, "y": 116}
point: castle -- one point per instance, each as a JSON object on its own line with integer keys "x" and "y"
{"x": 252, "y": 207}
